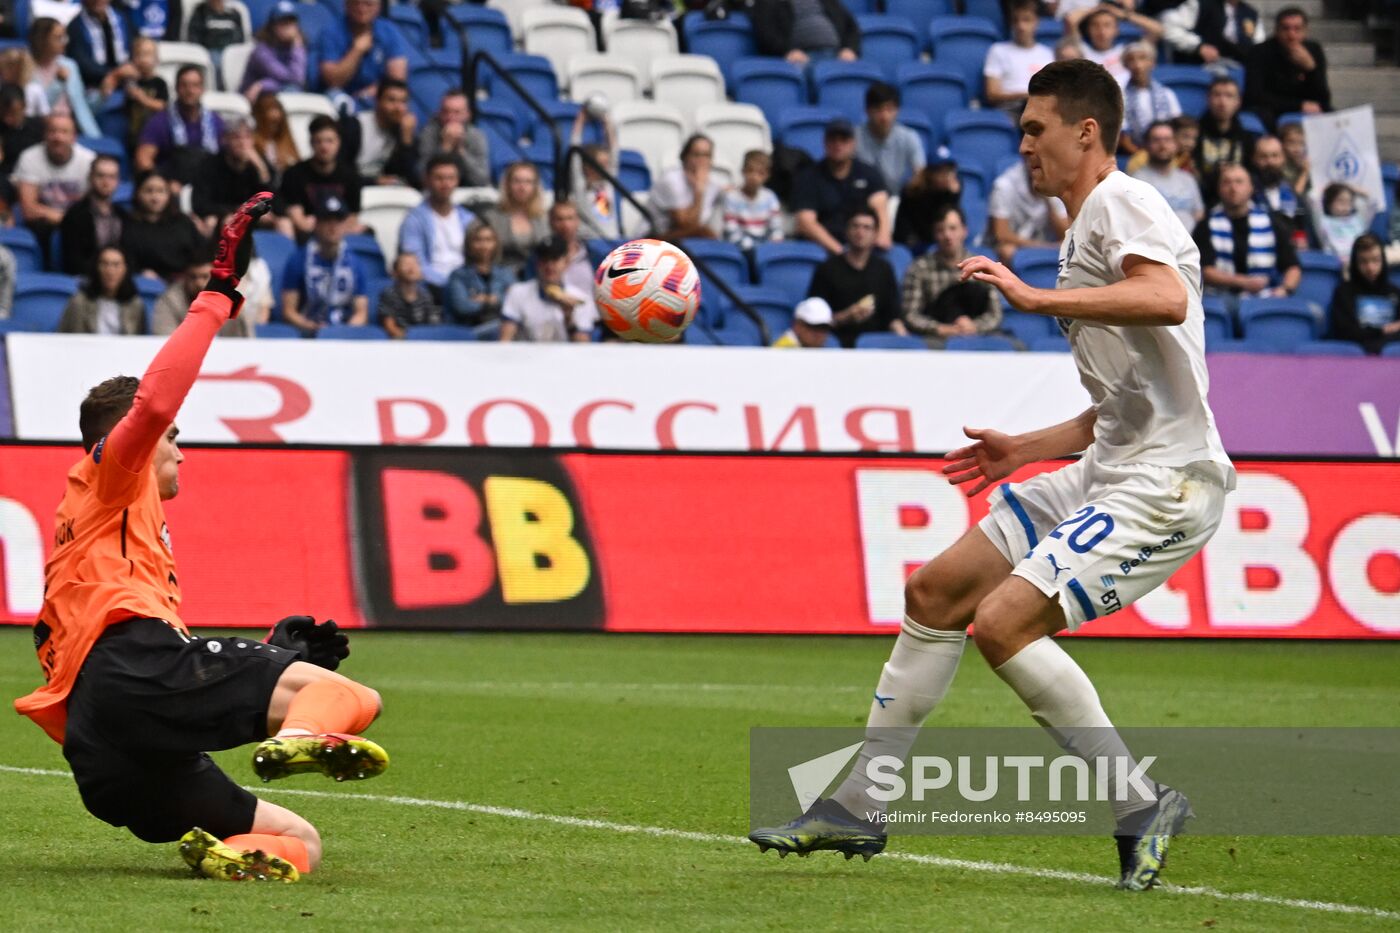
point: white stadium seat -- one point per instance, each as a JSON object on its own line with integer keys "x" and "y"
{"x": 640, "y": 41}
{"x": 735, "y": 130}
{"x": 514, "y": 11}
{"x": 686, "y": 82}
{"x": 227, "y": 105}
{"x": 655, "y": 130}
{"x": 234, "y": 63}
{"x": 175, "y": 55}
{"x": 383, "y": 208}
{"x": 559, "y": 33}
{"x": 603, "y": 74}
{"x": 301, "y": 110}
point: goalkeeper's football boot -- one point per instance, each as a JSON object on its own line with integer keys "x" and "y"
{"x": 1142, "y": 853}
{"x": 827, "y": 825}
{"x": 334, "y": 754}
{"x": 213, "y": 859}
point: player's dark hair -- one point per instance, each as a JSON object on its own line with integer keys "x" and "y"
{"x": 438, "y": 161}
{"x": 1083, "y": 90}
{"x": 880, "y": 93}
{"x": 323, "y": 122}
{"x": 1286, "y": 12}
{"x": 186, "y": 69}
{"x": 104, "y": 406}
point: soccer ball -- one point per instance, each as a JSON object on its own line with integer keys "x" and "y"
{"x": 647, "y": 291}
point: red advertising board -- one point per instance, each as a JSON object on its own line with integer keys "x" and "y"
{"x": 460, "y": 538}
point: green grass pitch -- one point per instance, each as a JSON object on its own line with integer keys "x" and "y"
{"x": 639, "y": 731}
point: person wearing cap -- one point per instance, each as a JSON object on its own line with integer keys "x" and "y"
{"x": 859, "y": 285}
{"x": 1145, "y": 99}
{"x": 356, "y": 56}
{"x": 544, "y": 309}
{"x": 227, "y": 178}
{"x": 827, "y": 194}
{"x": 686, "y": 195}
{"x": 1007, "y": 72}
{"x": 311, "y": 181}
{"x": 324, "y": 282}
{"x": 884, "y": 142}
{"x": 278, "y": 63}
{"x": 925, "y": 197}
{"x": 176, "y": 139}
{"x": 811, "y": 325}
{"x": 935, "y": 302}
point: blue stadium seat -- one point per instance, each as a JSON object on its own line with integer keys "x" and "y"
{"x": 1037, "y": 266}
{"x": 934, "y": 90}
{"x": 1055, "y": 343}
{"x": 1251, "y": 123}
{"x": 805, "y": 128}
{"x": 989, "y": 343}
{"x": 275, "y": 249}
{"x": 1322, "y": 273}
{"x": 410, "y": 21}
{"x": 40, "y": 298}
{"x": 1390, "y": 176}
{"x": 920, "y": 123}
{"x": 440, "y": 332}
{"x": 842, "y": 85}
{"x": 991, "y": 11}
{"x": 366, "y": 248}
{"x": 1028, "y": 327}
{"x": 887, "y": 341}
{"x": 861, "y": 7}
{"x": 427, "y": 85}
{"x": 1391, "y": 349}
{"x": 725, "y": 261}
{"x": 975, "y": 208}
{"x": 787, "y": 266}
{"x": 502, "y": 118}
{"x": 1190, "y": 82}
{"x": 698, "y": 335}
{"x": 1282, "y": 321}
{"x": 1328, "y": 348}
{"x": 352, "y": 332}
{"x": 773, "y": 305}
{"x": 315, "y": 19}
{"x": 258, "y": 11}
{"x": 899, "y": 258}
{"x": 533, "y": 72}
{"x": 598, "y": 249}
{"x": 633, "y": 171}
{"x": 1254, "y": 345}
{"x": 888, "y": 41}
{"x": 1219, "y": 323}
{"x": 1049, "y": 31}
{"x": 980, "y": 136}
{"x": 562, "y": 113}
{"x": 116, "y": 148}
{"x": 487, "y": 30}
{"x": 275, "y": 330}
{"x": 20, "y": 241}
{"x": 920, "y": 13}
{"x": 725, "y": 40}
{"x": 738, "y": 330}
{"x": 771, "y": 84}
{"x": 962, "y": 42}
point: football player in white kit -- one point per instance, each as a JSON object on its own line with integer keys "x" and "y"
{"x": 1083, "y": 541}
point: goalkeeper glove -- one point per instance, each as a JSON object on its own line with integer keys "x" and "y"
{"x": 231, "y": 258}
{"x": 323, "y": 645}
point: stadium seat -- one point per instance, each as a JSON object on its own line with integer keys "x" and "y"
{"x": 686, "y": 82}
{"x": 427, "y": 85}
{"x": 787, "y": 267}
{"x": 227, "y": 104}
{"x": 1049, "y": 31}
{"x": 409, "y": 19}
{"x": 1249, "y": 345}
{"x": 1251, "y": 123}
{"x": 1189, "y": 82}
{"x": 1322, "y": 273}
{"x": 961, "y": 42}
{"x": 991, "y": 11}
{"x": 1056, "y": 343}
{"x": 301, "y": 109}
{"x": 176, "y": 55}
{"x": 899, "y": 258}
{"x": 1282, "y": 321}
{"x": 558, "y": 33}
{"x": 501, "y": 118}
{"x": 699, "y": 334}
{"x": 655, "y": 130}
{"x": 366, "y": 248}
{"x": 861, "y": 7}
{"x": 276, "y": 330}
{"x": 532, "y": 72}
{"x": 889, "y": 42}
{"x": 25, "y": 246}
{"x": 1037, "y": 266}
{"x": 383, "y": 208}
{"x": 234, "y": 62}
{"x": 980, "y": 136}
{"x": 487, "y": 30}
{"x": 771, "y": 84}
{"x": 440, "y": 332}
{"x": 315, "y": 19}
{"x": 640, "y": 42}
{"x": 1219, "y": 324}
{"x": 352, "y": 331}
{"x": 934, "y": 90}
{"x": 735, "y": 129}
{"x": 725, "y": 40}
{"x": 805, "y": 128}
{"x": 841, "y": 86}
{"x": 773, "y": 305}
{"x": 921, "y": 124}
{"x": 920, "y": 13}
{"x": 608, "y": 75}
{"x": 724, "y": 261}
{"x": 1391, "y": 349}
{"x": 1027, "y": 327}
{"x": 632, "y": 171}
{"x": 990, "y": 343}
{"x": 40, "y": 298}
{"x": 514, "y": 11}
{"x": 888, "y": 341}
{"x": 1328, "y": 348}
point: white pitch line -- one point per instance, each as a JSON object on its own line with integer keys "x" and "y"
{"x": 662, "y": 832}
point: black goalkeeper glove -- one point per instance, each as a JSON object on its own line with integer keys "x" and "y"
{"x": 323, "y": 645}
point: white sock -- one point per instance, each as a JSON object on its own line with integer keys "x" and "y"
{"x": 1063, "y": 700}
{"x": 293, "y": 733}
{"x": 913, "y": 682}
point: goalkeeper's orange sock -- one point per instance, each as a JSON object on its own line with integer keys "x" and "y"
{"x": 330, "y": 706}
{"x": 287, "y": 848}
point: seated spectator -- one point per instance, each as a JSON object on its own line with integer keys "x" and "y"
{"x": 686, "y": 196}
{"x": 1022, "y": 218}
{"x": 100, "y": 44}
{"x": 752, "y": 214}
{"x": 593, "y": 193}
{"x": 1145, "y": 99}
{"x": 1006, "y": 75}
{"x": 1295, "y": 157}
{"x": 858, "y": 284}
{"x": 518, "y": 216}
{"x": 435, "y": 231}
{"x": 355, "y": 58}
{"x": 310, "y": 182}
{"x": 1366, "y": 307}
{"x": 1346, "y": 214}
{"x": 475, "y": 291}
{"x": 1246, "y": 251}
{"x": 229, "y": 177}
{"x": 564, "y": 226}
{"x": 146, "y": 92}
{"x": 405, "y": 303}
{"x": 107, "y": 301}
{"x": 9, "y": 273}
{"x": 94, "y": 222}
{"x": 55, "y": 84}
{"x": 830, "y": 192}
{"x": 805, "y": 30}
{"x": 216, "y": 26}
{"x": 51, "y": 177}
{"x": 1161, "y": 172}
{"x": 1272, "y": 188}
{"x": 884, "y": 142}
{"x": 272, "y": 136}
{"x": 1222, "y": 137}
{"x": 935, "y": 188}
{"x": 936, "y": 304}
{"x": 160, "y": 241}
{"x": 382, "y": 143}
{"x": 811, "y": 325}
{"x": 544, "y": 309}
{"x": 450, "y": 133}
{"x": 1209, "y": 31}
{"x": 278, "y": 62}
{"x": 1100, "y": 31}
{"x": 1287, "y": 73}
{"x": 174, "y": 303}
{"x": 324, "y": 282}
{"x": 256, "y": 287}
{"x": 177, "y": 139}
{"x": 1187, "y": 131}
{"x": 18, "y": 131}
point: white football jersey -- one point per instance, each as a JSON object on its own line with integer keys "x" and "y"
{"x": 1148, "y": 384}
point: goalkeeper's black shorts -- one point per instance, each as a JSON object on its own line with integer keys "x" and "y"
{"x": 148, "y": 703}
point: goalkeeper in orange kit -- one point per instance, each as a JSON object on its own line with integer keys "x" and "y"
{"x": 134, "y": 698}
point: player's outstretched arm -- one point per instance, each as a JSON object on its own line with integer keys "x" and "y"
{"x": 994, "y": 456}
{"x": 1150, "y": 294}
{"x": 173, "y": 371}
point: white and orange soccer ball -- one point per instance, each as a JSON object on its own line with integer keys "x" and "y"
{"x": 647, "y": 291}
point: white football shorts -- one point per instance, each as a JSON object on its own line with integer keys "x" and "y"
{"x": 1099, "y": 538}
